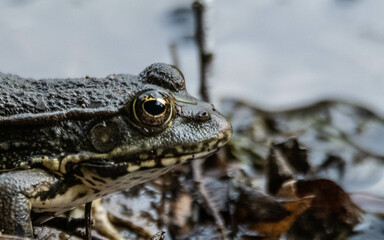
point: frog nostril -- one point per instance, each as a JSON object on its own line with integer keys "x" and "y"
{"x": 203, "y": 116}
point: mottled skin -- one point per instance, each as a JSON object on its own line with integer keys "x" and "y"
{"x": 65, "y": 142}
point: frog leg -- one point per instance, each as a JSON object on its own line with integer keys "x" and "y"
{"x": 15, "y": 208}
{"x": 17, "y": 191}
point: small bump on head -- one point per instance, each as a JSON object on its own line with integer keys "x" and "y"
{"x": 164, "y": 75}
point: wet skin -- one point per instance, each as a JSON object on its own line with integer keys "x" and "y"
{"x": 66, "y": 142}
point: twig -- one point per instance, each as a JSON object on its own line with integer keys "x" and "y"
{"x": 130, "y": 225}
{"x": 197, "y": 175}
{"x": 204, "y": 40}
{"x": 88, "y": 220}
{"x": 174, "y": 54}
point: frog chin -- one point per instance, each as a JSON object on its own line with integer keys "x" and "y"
{"x": 109, "y": 178}
{"x": 121, "y": 169}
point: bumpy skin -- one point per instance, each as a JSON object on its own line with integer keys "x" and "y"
{"x": 65, "y": 142}
{"x": 67, "y": 107}
{"x": 16, "y": 188}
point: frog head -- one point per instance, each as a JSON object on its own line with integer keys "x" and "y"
{"x": 89, "y": 137}
{"x": 158, "y": 126}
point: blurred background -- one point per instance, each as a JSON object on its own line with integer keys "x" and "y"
{"x": 268, "y": 55}
{"x": 276, "y": 54}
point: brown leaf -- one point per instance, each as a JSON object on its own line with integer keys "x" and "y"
{"x": 278, "y": 170}
{"x": 296, "y": 208}
{"x": 295, "y": 154}
{"x": 331, "y": 202}
{"x": 284, "y": 160}
{"x": 265, "y": 215}
{"x": 254, "y": 206}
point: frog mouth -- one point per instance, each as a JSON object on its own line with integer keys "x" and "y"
{"x": 157, "y": 162}
{"x": 111, "y": 169}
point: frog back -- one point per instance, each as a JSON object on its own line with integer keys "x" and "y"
{"x": 20, "y": 96}
{"x": 51, "y": 116}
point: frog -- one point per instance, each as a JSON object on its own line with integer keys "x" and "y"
{"x": 66, "y": 142}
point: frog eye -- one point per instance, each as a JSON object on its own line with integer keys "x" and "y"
{"x": 152, "y": 108}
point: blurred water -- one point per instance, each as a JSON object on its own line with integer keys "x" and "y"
{"x": 287, "y": 52}
{"x": 271, "y": 52}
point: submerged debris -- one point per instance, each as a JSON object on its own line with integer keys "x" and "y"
{"x": 285, "y": 174}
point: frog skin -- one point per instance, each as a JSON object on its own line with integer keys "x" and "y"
{"x": 66, "y": 142}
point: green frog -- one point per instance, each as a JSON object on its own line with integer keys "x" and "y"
{"x": 66, "y": 142}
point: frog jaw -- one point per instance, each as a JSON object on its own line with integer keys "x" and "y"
{"x": 100, "y": 180}
{"x": 120, "y": 164}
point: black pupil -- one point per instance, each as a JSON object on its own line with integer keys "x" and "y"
{"x": 154, "y": 107}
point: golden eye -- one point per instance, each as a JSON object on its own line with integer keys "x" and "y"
{"x": 152, "y": 108}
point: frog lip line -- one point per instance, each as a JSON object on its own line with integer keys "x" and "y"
{"x": 161, "y": 161}
{"x": 154, "y": 163}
